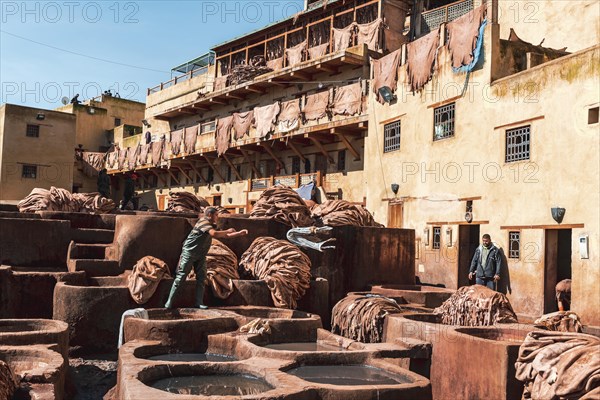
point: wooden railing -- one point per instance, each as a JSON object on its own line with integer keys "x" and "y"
{"x": 294, "y": 181}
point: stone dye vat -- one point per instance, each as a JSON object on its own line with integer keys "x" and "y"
{"x": 427, "y": 296}
{"x": 281, "y": 321}
{"x": 27, "y": 332}
{"x": 213, "y": 385}
{"x": 347, "y": 375}
{"x": 199, "y": 353}
{"x": 40, "y": 371}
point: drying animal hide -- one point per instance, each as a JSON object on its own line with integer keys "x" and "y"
{"x": 559, "y": 365}
{"x": 221, "y": 268}
{"x": 370, "y": 34}
{"x": 189, "y": 143}
{"x": 176, "y": 139}
{"x": 257, "y": 326}
{"x": 145, "y": 277}
{"x": 157, "y": 152}
{"x": 135, "y": 313}
{"x": 57, "y": 199}
{"x": 347, "y": 99}
{"x": 295, "y": 55}
{"x": 462, "y": 36}
{"x": 8, "y": 381}
{"x": 283, "y": 266}
{"x": 422, "y": 54}
{"x": 476, "y": 305}
{"x": 111, "y": 158}
{"x": 316, "y": 106}
{"x": 361, "y": 318}
{"x": 244, "y": 73}
{"x": 284, "y": 205}
{"x": 186, "y": 202}
{"x": 275, "y": 64}
{"x": 342, "y": 212}
{"x": 289, "y": 117}
{"x": 561, "y": 321}
{"x": 122, "y": 158}
{"x": 386, "y": 73}
{"x": 342, "y": 38}
{"x": 92, "y": 163}
{"x": 264, "y": 118}
{"x": 221, "y": 82}
{"x": 132, "y": 156}
{"x": 241, "y": 124}
{"x": 318, "y": 51}
{"x": 310, "y": 238}
{"x": 223, "y": 134}
{"x": 144, "y": 151}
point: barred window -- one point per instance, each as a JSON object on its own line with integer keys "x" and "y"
{"x": 437, "y": 236}
{"x": 443, "y": 122}
{"x": 517, "y": 143}
{"x": 391, "y": 137}
{"x": 117, "y": 121}
{"x": 341, "y": 160}
{"x": 29, "y": 171}
{"x": 32, "y": 131}
{"x": 295, "y": 165}
{"x": 514, "y": 244}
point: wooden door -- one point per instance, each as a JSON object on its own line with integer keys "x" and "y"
{"x": 395, "y": 211}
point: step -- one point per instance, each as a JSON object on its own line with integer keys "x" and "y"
{"x": 88, "y": 251}
{"x": 91, "y": 236}
{"x": 95, "y": 267}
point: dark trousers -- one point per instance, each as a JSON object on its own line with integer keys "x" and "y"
{"x": 489, "y": 282}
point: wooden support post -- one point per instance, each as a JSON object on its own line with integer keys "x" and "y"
{"x": 173, "y": 176}
{"x": 321, "y": 148}
{"x": 185, "y": 174}
{"x": 197, "y": 172}
{"x": 296, "y": 150}
{"x": 346, "y": 142}
{"x": 235, "y": 171}
{"x": 216, "y": 171}
{"x": 252, "y": 165}
{"x": 272, "y": 154}
{"x": 159, "y": 176}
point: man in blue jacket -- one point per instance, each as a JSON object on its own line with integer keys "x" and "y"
{"x": 486, "y": 263}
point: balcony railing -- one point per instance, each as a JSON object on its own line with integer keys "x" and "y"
{"x": 293, "y": 181}
{"x": 178, "y": 79}
{"x": 431, "y": 20}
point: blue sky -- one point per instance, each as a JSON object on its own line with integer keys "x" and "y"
{"x": 156, "y": 35}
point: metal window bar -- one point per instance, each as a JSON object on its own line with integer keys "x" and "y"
{"x": 33, "y": 131}
{"x": 514, "y": 240}
{"x": 437, "y": 235}
{"x": 518, "y": 144}
{"x": 391, "y": 137}
{"x": 443, "y": 122}
{"x": 29, "y": 171}
{"x": 431, "y": 20}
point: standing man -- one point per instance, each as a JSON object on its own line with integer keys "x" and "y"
{"x": 104, "y": 183}
{"x": 195, "y": 249}
{"x": 486, "y": 263}
{"x": 129, "y": 189}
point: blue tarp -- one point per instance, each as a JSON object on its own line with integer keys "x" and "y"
{"x": 476, "y": 52}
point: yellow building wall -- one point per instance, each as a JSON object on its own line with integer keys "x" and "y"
{"x": 52, "y": 151}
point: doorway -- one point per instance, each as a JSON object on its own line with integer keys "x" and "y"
{"x": 395, "y": 211}
{"x": 557, "y": 264}
{"x": 468, "y": 240}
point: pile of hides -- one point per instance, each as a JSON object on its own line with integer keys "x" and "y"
{"x": 361, "y": 318}
{"x": 476, "y": 305}
{"x": 422, "y": 54}
{"x": 560, "y": 321}
{"x": 145, "y": 277}
{"x": 386, "y": 73}
{"x": 244, "y": 73}
{"x": 8, "y": 381}
{"x": 57, "y": 199}
{"x": 284, "y": 205}
{"x": 186, "y": 202}
{"x": 463, "y": 35}
{"x": 559, "y": 365}
{"x": 256, "y": 326}
{"x": 342, "y": 212}
{"x": 221, "y": 268}
{"x": 92, "y": 163}
{"x": 283, "y": 266}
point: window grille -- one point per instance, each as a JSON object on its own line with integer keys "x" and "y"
{"x": 29, "y": 171}
{"x": 517, "y": 144}
{"x": 514, "y": 240}
{"x": 391, "y": 137}
{"x": 33, "y": 131}
{"x": 443, "y": 122}
{"x": 437, "y": 236}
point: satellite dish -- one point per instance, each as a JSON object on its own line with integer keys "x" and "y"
{"x": 65, "y": 100}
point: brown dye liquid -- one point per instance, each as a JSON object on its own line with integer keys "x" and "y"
{"x": 213, "y": 385}
{"x": 192, "y": 357}
{"x": 348, "y": 375}
{"x": 304, "y": 346}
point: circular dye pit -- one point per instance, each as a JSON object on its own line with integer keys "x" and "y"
{"x": 192, "y": 357}
{"x": 213, "y": 385}
{"x": 348, "y": 375}
{"x": 304, "y": 346}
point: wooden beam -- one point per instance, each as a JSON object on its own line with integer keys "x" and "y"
{"x": 255, "y": 90}
{"x": 185, "y": 111}
{"x": 327, "y": 68}
{"x": 564, "y": 226}
{"x": 321, "y": 148}
{"x": 277, "y": 83}
{"x": 216, "y": 101}
{"x": 197, "y": 172}
{"x": 173, "y": 176}
{"x": 249, "y": 161}
{"x": 296, "y": 150}
{"x": 215, "y": 170}
{"x": 300, "y": 76}
{"x": 346, "y": 142}
{"x": 235, "y": 171}
{"x": 159, "y": 176}
{"x": 233, "y": 96}
{"x": 185, "y": 174}
{"x": 201, "y": 107}
{"x": 272, "y": 154}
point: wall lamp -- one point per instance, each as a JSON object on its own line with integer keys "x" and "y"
{"x": 395, "y": 188}
{"x": 426, "y": 236}
{"x": 91, "y": 110}
{"x": 449, "y": 236}
{"x": 40, "y": 116}
{"x": 386, "y": 93}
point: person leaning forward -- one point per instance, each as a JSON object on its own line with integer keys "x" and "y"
{"x": 193, "y": 254}
{"x": 486, "y": 263}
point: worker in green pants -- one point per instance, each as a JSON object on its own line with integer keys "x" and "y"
{"x": 193, "y": 254}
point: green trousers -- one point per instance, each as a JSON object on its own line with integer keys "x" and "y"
{"x": 193, "y": 254}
